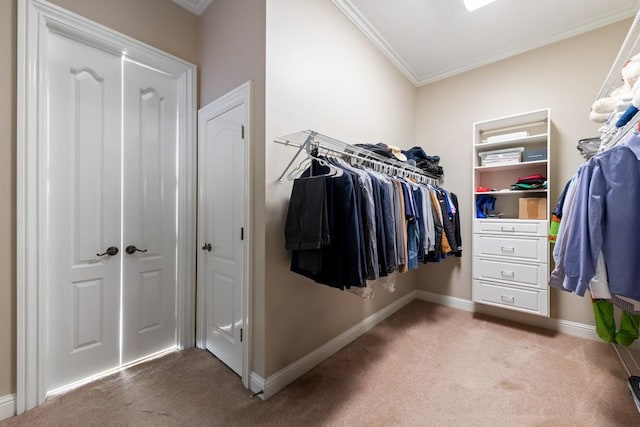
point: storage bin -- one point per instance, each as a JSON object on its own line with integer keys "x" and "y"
{"x": 497, "y": 157}
{"x": 532, "y": 208}
{"x": 535, "y": 155}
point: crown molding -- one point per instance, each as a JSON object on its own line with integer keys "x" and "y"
{"x": 194, "y": 6}
{"x": 516, "y": 50}
{"x": 363, "y": 24}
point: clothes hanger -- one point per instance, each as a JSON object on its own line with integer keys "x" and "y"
{"x": 334, "y": 171}
{"x": 299, "y": 168}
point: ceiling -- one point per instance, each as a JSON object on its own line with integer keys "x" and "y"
{"x": 429, "y": 40}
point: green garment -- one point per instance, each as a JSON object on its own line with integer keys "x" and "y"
{"x": 606, "y": 324}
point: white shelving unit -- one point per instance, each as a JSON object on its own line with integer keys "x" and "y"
{"x": 510, "y": 254}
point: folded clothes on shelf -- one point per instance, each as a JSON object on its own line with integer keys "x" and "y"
{"x": 531, "y": 179}
{"x": 485, "y": 205}
{"x": 530, "y": 182}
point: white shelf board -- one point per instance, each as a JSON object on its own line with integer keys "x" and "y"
{"x": 510, "y": 192}
{"x": 510, "y": 166}
{"x": 512, "y": 121}
{"x": 527, "y": 140}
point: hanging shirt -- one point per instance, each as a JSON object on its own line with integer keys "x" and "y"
{"x": 401, "y": 223}
{"x": 436, "y": 254}
{"x": 445, "y": 247}
{"x": 606, "y": 218}
{"x": 456, "y": 225}
{"x": 557, "y": 275}
{"x": 429, "y": 225}
{"x": 367, "y": 206}
{"x": 388, "y": 223}
{"x": 381, "y": 262}
{"x": 417, "y": 196}
{"x": 447, "y": 217}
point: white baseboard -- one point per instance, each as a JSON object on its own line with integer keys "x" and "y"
{"x": 256, "y": 384}
{"x": 564, "y": 326}
{"x": 7, "y": 406}
{"x": 288, "y": 374}
{"x": 568, "y": 327}
{"x": 446, "y": 300}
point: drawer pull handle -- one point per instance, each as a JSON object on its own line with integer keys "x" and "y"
{"x": 508, "y": 273}
{"x": 507, "y": 249}
{"x": 508, "y": 299}
{"x": 510, "y": 229}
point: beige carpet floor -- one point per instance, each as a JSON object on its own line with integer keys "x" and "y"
{"x": 426, "y": 365}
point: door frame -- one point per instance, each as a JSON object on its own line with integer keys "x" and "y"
{"x": 35, "y": 18}
{"x": 242, "y": 95}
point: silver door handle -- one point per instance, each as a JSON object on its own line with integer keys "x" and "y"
{"x": 508, "y": 273}
{"x": 507, "y": 249}
{"x": 510, "y": 229}
{"x": 508, "y": 299}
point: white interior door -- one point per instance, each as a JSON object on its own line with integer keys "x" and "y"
{"x": 71, "y": 201}
{"x": 149, "y": 225}
{"x": 111, "y": 309}
{"x": 222, "y": 218}
{"x": 84, "y": 148}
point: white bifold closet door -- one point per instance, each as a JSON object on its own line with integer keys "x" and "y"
{"x": 112, "y": 183}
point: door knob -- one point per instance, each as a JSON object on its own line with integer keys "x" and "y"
{"x": 112, "y": 250}
{"x": 131, "y": 249}
{"x": 207, "y": 247}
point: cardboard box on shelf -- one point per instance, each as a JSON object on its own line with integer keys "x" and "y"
{"x": 532, "y": 208}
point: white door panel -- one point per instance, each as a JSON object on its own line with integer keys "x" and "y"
{"x": 84, "y": 218}
{"x": 92, "y": 210}
{"x": 150, "y": 187}
{"x": 222, "y": 203}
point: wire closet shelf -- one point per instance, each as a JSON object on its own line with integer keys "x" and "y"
{"x": 629, "y": 48}
{"x": 308, "y": 140}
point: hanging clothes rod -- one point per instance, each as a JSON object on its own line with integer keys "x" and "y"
{"x": 308, "y": 140}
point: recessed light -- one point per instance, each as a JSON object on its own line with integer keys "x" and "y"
{"x": 472, "y": 5}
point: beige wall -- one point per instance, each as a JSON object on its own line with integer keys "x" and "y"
{"x": 564, "y": 76}
{"x": 232, "y": 51}
{"x": 159, "y": 23}
{"x": 322, "y": 74}
{"x": 7, "y": 196}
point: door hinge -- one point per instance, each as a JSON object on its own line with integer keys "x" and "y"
{"x": 241, "y": 334}
{"x": 242, "y": 131}
{"x": 241, "y": 233}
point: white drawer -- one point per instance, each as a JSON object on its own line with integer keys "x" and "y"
{"x": 530, "y": 275}
{"x": 522, "y": 248}
{"x": 527, "y": 300}
{"x": 530, "y": 228}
